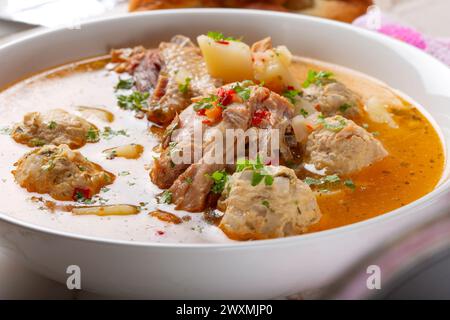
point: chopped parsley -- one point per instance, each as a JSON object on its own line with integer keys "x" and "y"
{"x": 219, "y": 36}
{"x": 48, "y": 166}
{"x": 108, "y": 133}
{"x": 243, "y": 92}
{"x": 184, "y": 87}
{"x": 124, "y": 173}
{"x": 205, "y": 103}
{"x": 343, "y": 108}
{"x": 92, "y": 135}
{"x": 188, "y": 180}
{"x": 266, "y": 204}
{"x": 165, "y": 197}
{"x": 124, "y": 84}
{"x": 52, "y": 125}
{"x": 291, "y": 95}
{"x": 220, "y": 178}
{"x": 322, "y": 181}
{"x": 257, "y": 167}
{"x": 334, "y": 125}
{"x": 5, "y": 130}
{"x": 304, "y": 113}
{"x": 349, "y": 184}
{"x": 317, "y": 78}
{"x": 136, "y": 101}
{"x": 37, "y": 142}
{"x": 329, "y": 180}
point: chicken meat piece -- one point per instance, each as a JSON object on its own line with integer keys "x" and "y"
{"x": 183, "y": 76}
{"x": 54, "y": 127}
{"x": 180, "y": 136}
{"x": 330, "y": 98}
{"x": 262, "y": 109}
{"x": 61, "y": 172}
{"x": 340, "y": 146}
{"x": 287, "y": 207}
{"x": 191, "y": 189}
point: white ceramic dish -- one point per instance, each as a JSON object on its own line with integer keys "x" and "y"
{"x": 260, "y": 269}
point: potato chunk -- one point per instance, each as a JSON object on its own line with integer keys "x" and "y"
{"x": 129, "y": 151}
{"x": 271, "y": 66}
{"x": 111, "y": 210}
{"x": 228, "y": 60}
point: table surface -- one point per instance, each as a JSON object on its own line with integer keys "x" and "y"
{"x": 17, "y": 282}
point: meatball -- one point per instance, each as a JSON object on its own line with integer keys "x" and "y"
{"x": 285, "y": 208}
{"x": 331, "y": 98}
{"x": 340, "y": 146}
{"x": 54, "y": 127}
{"x": 60, "y": 172}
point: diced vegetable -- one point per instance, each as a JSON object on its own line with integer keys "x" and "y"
{"x": 99, "y": 113}
{"x": 272, "y": 68}
{"x": 129, "y": 151}
{"x": 112, "y": 210}
{"x": 227, "y": 60}
{"x": 377, "y": 108}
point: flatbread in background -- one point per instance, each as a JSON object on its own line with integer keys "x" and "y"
{"x": 342, "y": 10}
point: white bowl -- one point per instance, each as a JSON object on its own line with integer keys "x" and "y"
{"x": 260, "y": 269}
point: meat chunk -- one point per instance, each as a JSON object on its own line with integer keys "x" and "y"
{"x": 287, "y": 207}
{"x": 183, "y": 66}
{"x": 190, "y": 191}
{"x": 62, "y": 173}
{"x": 277, "y": 112}
{"x": 340, "y": 146}
{"x": 147, "y": 71}
{"x": 180, "y": 136}
{"x": 54, "y": 127}
{"x": 331, "y": 98}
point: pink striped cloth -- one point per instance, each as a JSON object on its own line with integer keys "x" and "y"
{"x": 437, "y": 47}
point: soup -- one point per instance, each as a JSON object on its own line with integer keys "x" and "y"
{"x": 121, "y": 114}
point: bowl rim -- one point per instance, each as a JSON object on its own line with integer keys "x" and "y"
{"x": 441, "y": 189}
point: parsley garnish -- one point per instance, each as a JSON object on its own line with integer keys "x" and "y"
{"x": 109, "y": 133}
{"x": 304, "y": 113}
{"x": 335, "y": 125}
{"x": 242, "y": 92}
{"x": 317, "y": 78}
{"x": 291, "y": 95}
{"x": 92, "y": 135}
{"x": 205, "y": 103}
{"x": 52, "y": 125}
{"x": 184, "y": 87}
{"x": 218, "y": 36}
{"x": 136, "y": 101}
{"x": 5, "y": 130}
{"x": 257, "y": 167}
{"x": 322, "y": 181}
{"x": 124, "y": 84}
{"x": 266, "y": 204}
{"x": 220, "y": 178}
{"x": 165, "y": 197}
{"x": 349, "y": 184}
{"x": 36, "y": 142}
{"x": 344, "y": 107}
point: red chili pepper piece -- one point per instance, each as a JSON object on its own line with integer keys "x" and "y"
{"x": 201, "y": 112}
{"x": 225, "y": 96}
{"x": 206, "y": 121}
{"x": 160, "y": 233}
{"x": 259, "y": 116}
{"x": 223, "y": 42}
{"x": 79, "y": 193}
